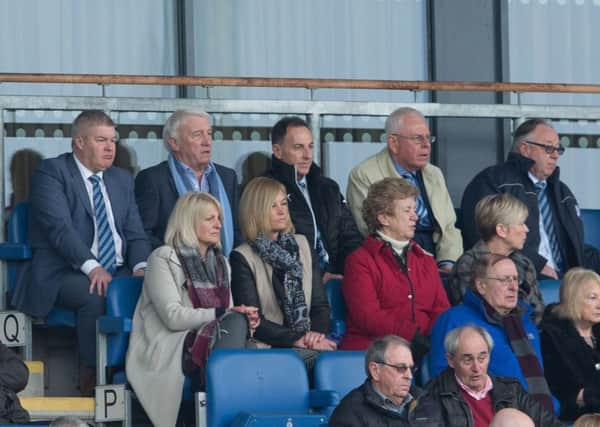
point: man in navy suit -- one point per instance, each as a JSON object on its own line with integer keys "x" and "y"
{"x": 66, "y": 268}
{"x": 188, "y": 137}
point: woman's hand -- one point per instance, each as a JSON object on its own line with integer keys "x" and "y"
{"x": 315, "y": 341}
{"x": 251, "y": 314}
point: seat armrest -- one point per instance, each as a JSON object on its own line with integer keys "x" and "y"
{"x": 114, "y": 325}
{"x": 323, "y": 398}
{"x": 15, "y": 251}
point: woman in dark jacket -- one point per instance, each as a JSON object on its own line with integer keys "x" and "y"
{"x": 274, "y": 271}
{"x": 570, "y": 344}
{"x": 391, "y": 285}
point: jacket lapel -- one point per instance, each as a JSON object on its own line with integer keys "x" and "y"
{"x": 79, "y": 185}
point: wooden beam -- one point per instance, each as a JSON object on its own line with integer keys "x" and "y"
{"x": 112, "y": 79}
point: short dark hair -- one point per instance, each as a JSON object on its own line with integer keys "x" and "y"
{"x": 280, "y": 129}
{"x": 89, "y": 118}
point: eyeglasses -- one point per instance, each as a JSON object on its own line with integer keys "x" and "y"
{"x": 417, "y": 139}
{"x": 506, "y": 280}
{"x": 549, "y": 149}
{"x": 401, "y": 369}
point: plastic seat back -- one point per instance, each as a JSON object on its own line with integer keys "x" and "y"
{"x": 550, "y": 290}
{"x": 17, "y": 252}
{"x": 339, "y": 371}
{"x": 337, "y": 306}
{"x": 254, "y": 381}
{"x": 591, "y": 226}
{"x": 121, "y": 299}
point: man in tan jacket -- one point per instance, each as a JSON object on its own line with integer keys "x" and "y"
{"x": 407, "y": 155}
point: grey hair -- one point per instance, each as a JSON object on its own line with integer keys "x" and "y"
{"x": 176, "y": 119}
{"x": 68, "y": 421}
{"x": 377, "y": 349}
{"x": 394, "y": 121}
{"x": 451, "y": 339}
{"x": 525, "y": 129}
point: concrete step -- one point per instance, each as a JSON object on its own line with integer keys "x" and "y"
{"x": 35, "y": 385}
{"x": 49, "y": 408}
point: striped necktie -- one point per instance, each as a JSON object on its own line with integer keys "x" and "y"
{"x": 320, "y": 249}
{"x": 547, "y": 221}
{"x": 106, "y": 244}
{"x": 421, "y": 209}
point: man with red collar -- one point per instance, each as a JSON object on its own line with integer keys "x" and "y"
{"x": 465, "y": 395}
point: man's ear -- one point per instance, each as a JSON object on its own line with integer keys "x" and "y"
{"x": 450, "y": 360}
{"x": 374, "y": 370}
{"x": 276, "y": 148}
{"x": 78, "y": 141}
{"x": 173, "y": 144}
{"x": 480, "y": 286}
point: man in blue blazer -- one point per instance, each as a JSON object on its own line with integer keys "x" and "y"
{"x": 188, "y": 137}
{"x": 67, "y": 267}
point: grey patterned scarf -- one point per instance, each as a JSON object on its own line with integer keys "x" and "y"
{"x": 283, "y": 256}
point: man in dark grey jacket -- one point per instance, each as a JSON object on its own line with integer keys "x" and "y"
{"x": 387, "y": 396}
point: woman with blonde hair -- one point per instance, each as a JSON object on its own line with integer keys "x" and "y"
{"x": 275, "y": 271}
{"x": 570, "y": 334}
{"x": 185, "y": 309}
{"x": 588, "y": 420}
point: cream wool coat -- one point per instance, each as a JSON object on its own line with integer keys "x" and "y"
{"x": 447, "y": 239}
{"x": 163, "y": 316}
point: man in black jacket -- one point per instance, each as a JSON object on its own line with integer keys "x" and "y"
{"x": 465, "y": 395}
{"x": 318, "y": 209}
{"x": 387, "y": 397}
{"x": 555, "y": 241}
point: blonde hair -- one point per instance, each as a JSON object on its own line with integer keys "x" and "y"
{"x": 255, "y": 207}
{"x": 191, "y": 207}
{"x": 498, "y": 209}
{"x": 571, "y": 292}
{"x": 381, "y": 197}
{"x": 588, "y": 420}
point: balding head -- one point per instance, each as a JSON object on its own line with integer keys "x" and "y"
{"x": 510, "y": 417}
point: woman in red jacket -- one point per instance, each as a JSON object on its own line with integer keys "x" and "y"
{"x": 391, "y": 285}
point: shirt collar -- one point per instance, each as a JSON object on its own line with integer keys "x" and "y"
{"x": 186, "y": 169}
{"x": 401, "y": 171}
{"x": 477, "y": 395}
{"x": 85, "y": 172}
{"x": 387, "y": 403}
{"x": 533, "y": 178}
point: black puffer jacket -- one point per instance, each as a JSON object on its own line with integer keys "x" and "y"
{"x": 442, "y": 403}
{"x": 362, "y": 408}
{"x": 512, "y": 177}
{"x": 334, "y": 219}
{"x": 570, "y": 365}
{"x": 13, "y": 378}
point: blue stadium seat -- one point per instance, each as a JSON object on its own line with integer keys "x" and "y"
{"x": 591, "y": 226}
{"x": 550, "y": 290}
{"x": 337, "y": 306}
{"x": 114, "y": 328}
{"x": 260, "y": 387}
{"x": 17, "y": 252}
{"x": 340, "y": 372}
{"x": 424, "y": 371}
